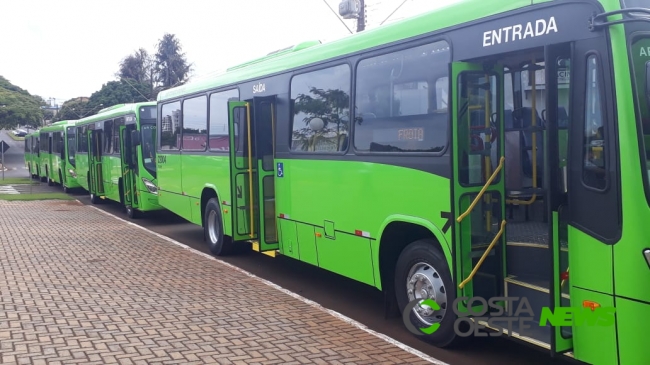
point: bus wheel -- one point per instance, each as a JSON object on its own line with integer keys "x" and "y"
{"x": 131, "y": 213}
{"x": 422, "y": 273}
{"x": 50, "y": 182}
{"x": 94, "y": 199}
{"x": 66, "y": 190}
{"x": 213, "y": 229}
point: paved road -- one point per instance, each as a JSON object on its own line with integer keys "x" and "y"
{"x": 100, "y": 291}
{"x": 357, "y": 301}
{"x": 14, "y": 157}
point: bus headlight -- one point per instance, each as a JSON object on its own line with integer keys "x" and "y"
{"x": 153, "y": 189}
{"x": 72, "y": 173}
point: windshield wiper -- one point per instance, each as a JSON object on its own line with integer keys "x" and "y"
{"x": 599, "y": 21}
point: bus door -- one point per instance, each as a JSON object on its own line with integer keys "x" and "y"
{"x": 478, "y": 181}
{"x": 129, "y": 166}
{"x": 96, "y": 179}
{"x": 251, "y": 129}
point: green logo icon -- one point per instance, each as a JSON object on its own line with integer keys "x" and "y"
{"x": 406, "y": 317}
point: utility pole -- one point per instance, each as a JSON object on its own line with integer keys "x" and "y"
{"x": 361, "y": 20}
{"x": 353, "y": 9}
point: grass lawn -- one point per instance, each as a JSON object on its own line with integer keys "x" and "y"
{"x": 17, "y": 180}
{"x": 39, "y": 196}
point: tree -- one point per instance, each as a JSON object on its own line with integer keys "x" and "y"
{"x": 332, "y": 107}
{"x": 73, "y": 109}
{"x": 171, "y": 66}
{"x": 18, "y": 107}
{"x": 138, "y": 67}
{"x": 120, "y": 92}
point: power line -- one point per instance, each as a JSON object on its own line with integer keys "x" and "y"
{"x": 134, "y": 88}
{"x": 391, "y": 14}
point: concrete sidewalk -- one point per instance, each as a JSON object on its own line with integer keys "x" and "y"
{"x": 80, "y": 286}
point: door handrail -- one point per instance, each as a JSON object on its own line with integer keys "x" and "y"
{"x": 487, "y": 251}
{"x": 250, "y": 170}
{"x": 480, "y": 194}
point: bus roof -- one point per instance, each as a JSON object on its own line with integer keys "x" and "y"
{"x": 114, "y": 111}
{"x": 308, "y": 52}
{"x": 58, "y": 126}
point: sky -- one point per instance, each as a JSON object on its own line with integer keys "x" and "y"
{"x": 69, "y": 48}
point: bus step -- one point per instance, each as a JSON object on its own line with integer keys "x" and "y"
{"x": 256, "y": 248}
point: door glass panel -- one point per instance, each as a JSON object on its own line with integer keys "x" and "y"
{"x": 477, "y": 128}
{"x": 242, "y": 195}
{"x": 270, "y": 229}
{"x": 478, "y": 230}
{"x": 264, "y": 125}
{"x": 593, "y": 172}
{"x": 241, "y": 137}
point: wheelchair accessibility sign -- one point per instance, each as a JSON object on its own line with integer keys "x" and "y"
{"x": 280, "y": 169}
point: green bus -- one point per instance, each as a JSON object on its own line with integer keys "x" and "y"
{"x": 462, "y": 156}
{"x": 52, "y": 161}
{"x": 115, "y": 156}
{"x": 32, "y": 154}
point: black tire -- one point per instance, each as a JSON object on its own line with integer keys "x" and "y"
{"x": 50, "y": 182}
{"x": 132, "y": 213}
{"x": 423, "y": 253}
{"x": 219, "y": 244}
{"x": 66, "y": 189}
{"x": 94, "y": 198}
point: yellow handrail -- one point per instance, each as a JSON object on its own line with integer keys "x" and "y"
{"x": 480, "y": 194}
{"x": 487, "y": 251}
{"x": 250, "y": 170}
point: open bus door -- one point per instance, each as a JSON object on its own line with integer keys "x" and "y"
{"x": 252, "y": 172}
{"x": 478, "y": 181}
{"x": 129, "y": 166}
{"x": 95, "y": 178}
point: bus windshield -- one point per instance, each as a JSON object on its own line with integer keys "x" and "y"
{"x": 148, "y": 148}
{"x": 640, "y": 54}
{"x": 72, "y": 144}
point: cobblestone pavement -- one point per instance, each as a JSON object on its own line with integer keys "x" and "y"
{"x": 79, "y": 286}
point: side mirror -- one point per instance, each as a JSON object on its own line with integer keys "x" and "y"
{"x": 135, "y": 138}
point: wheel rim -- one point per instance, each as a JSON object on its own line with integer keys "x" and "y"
{"x": 213, "y": 227}
{"x": 424, "y": 282}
